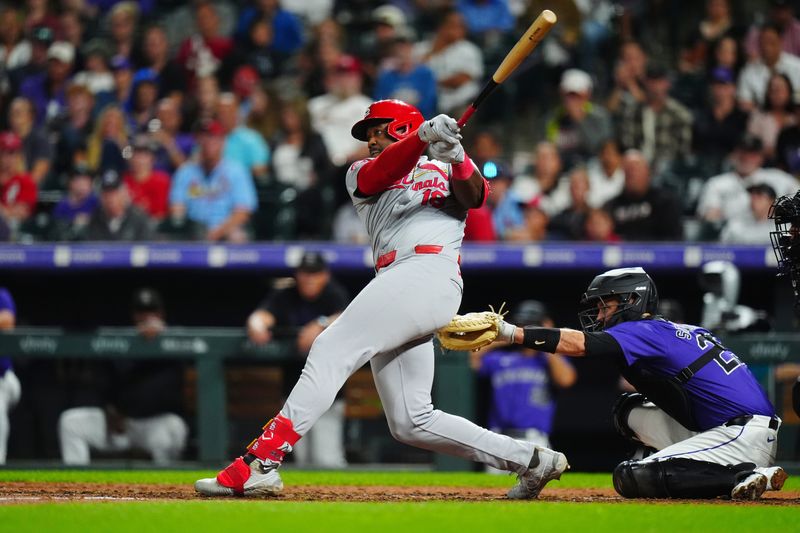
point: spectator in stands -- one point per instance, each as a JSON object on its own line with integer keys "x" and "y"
{"x": 36, "y": 150}
{"x": 725, "y": 197}
{"x": 546, "y": 186}
{"x": 72, "y": 129}
{"x": 202, "y": 53}
{"x": 753, "y": 80}
{"x": 569, "y": 223}
{"x": 242, "y": 143}
{"x": 486, "y": 17}
{"x": 204, "y": 101}
{"x": 301, "y": 162}
{"x": 578, "y": 127}
{"x": 15, "y": 49}
{"x": 256, "y": 51}
{"x": 629, "y": 77}
{"x": 10, "y": 389}
{"x": 71, "y": 28}
{"x": 718, "y": 126}
{"x": 660, "y": 127}
{"x": 606, "y": 177}
{"x": 41, "y": 38}
{"x": 456, "y": 62}
{"x": 643, "y": 212}
{"x": 18, "y": 191}
{"x": 286, "y": 29}
{"x": 173, "y": 145}
{"x": 407, "y": 80}
{"x": 507, "y": 211}
{"x": 39, "y": 13}
{"x": 117, "y": 219}
{"x": 302, "y": 311}
{"x": 728, "y": 55}
{"x": 776, "y": 113}
{"x": 264, "y": 113}
{"x": 375, "y": 47}
{"x": 524, "y": 382}
{"x": 148, "y": 188}
{"x": 123, "y": 20}
{"x": 599, "y": 226}
{"x": 122, "y": 69}
{"x": 215, "y": 192}
{"x": 486, "y": 147}
{"x": 141, "y": 108}
{"x": 47, "y": 90}
{"x": 96, "y": 73}
{"x": 787, "y": 150}
{"x": 72, "y": 213}
{"x": 780, "y": 15}
{"x": 143, "y": 402}
{"x": 155, "y": 49}
{"x": 753, "y": 229}
{"x": 105, "y": 144}
{"x": 333, "y": 113}
{"x": 534, "y": 227}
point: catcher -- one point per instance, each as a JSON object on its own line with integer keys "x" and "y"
{"x": 697, "y": 404}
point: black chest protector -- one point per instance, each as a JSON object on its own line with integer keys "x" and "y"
{"x": 669, "y": 392}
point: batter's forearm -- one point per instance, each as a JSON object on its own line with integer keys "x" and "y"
{"x": 396, "y": 161}
{"x": 471, "y": 192}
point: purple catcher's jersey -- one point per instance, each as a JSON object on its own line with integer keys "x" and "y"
{"x": 521, "y": 391}
{"x": 723, "y": 389}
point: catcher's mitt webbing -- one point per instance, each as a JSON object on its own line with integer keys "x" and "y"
{"x": 471, "y": 331}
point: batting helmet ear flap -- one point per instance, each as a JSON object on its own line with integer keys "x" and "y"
{"x": 403, "y": 119}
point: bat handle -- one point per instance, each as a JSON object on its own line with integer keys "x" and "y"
{"x": 465, "y": 117}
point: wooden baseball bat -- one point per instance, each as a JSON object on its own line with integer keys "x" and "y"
{"x": 529, "y": 40}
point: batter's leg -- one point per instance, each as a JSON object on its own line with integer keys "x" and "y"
{"x": 404, "y": 379}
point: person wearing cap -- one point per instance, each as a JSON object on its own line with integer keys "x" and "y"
{"x": 242, "y": 143}
{"x": 96, "y": 73}
{"x": 148, "y": 188}
{"x": 18, "y": 191}
{"x": 47, "y": 90}
{"x": 302, "y": 311}
{"x": 213, "y": 191}
{"x": 141, "y": 106}
{"x": 333, "y": 113}
{"x": 755, "y": 228}
{"x": 752, "y": 86}
{"x": 36, "y": 149}
{"x": 40, "y": 37}
{"x": 72, "y": 213}
{"x": 140, "y": 406}
{"x": 122, "y": 68}
{"x": 578, "y": 127}
{"x": 718, "y": 126}
{"x": 375, "y": 46}
{"x": 456, "y": 62}
{"x": 643, "y": 211}
{"x": 404, "y": 78}
{"x": 524, "y": 382}
{"x": 724, "y": 196}
{"x": 117, "y": 219}
{"x": 10, "y": 389}
{"x": 660, "y": 127}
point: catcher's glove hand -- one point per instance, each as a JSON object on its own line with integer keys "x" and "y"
{"x": 475, "y": 330}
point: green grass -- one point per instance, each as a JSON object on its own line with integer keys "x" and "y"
{"x": 253, "y": 516}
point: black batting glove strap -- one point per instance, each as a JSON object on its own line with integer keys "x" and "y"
{"x": 541, "y": 339}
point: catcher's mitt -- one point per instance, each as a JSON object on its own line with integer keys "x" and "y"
{"x": 471, "y": 331}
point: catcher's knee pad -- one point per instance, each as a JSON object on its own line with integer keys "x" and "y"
{"x": 638, "y": 479}
{"x": 620, "y": 411}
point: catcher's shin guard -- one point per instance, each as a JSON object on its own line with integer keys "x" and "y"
{"x": 678, "y": 478}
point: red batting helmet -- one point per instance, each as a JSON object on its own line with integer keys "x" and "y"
{"x": 403, "y": 119}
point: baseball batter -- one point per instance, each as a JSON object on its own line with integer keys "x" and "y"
{"x": 698, "y": 405}
{"x": 414, "y": 209}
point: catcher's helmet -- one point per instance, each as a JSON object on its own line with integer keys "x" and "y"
{"x": 403, "y": 119}
{"x": 637, "y": 295}
{"x": 786, "y": 214}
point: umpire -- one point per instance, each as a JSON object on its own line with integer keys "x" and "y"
{"x": 697, "y": 404}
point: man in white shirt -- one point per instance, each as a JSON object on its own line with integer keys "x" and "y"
{"x": 753, "y": 80}
{"x": 755, "y": 226}
{"x": 725, "y": 196}
{"x": 333, "y": 113}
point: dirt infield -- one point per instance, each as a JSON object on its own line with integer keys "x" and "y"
{"x": 27, "y": 492}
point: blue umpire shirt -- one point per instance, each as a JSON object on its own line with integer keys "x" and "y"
{"x": 211, "y": 198}
{"x": 721, "y": 390}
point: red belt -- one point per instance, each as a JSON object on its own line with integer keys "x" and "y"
{"x": 389, "y": 257}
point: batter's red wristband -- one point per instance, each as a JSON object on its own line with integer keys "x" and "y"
{"x": 462, "y": 171}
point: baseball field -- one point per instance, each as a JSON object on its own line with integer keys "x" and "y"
{"x": 155, "y": 501}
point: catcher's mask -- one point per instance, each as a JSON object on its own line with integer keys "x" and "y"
{"x": 786, "y": 214}
{"x": 631, "y": 287}
{"x": 403, "y": 119}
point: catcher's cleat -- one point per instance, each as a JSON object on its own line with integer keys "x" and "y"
{"x": 258, "y": 479}
{"x": 751, "y": 487}
{"x": 549, "y": 465}
{"x": 776, "y": 476}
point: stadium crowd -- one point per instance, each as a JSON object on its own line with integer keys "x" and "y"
{"x": 230, "y": 120}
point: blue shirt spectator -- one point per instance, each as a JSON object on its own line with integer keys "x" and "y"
{"x": 408, "y": 81}
{"x": 486, "y": 15}
{"x": 286, "y": 28}
{"x": 242, "y": 144}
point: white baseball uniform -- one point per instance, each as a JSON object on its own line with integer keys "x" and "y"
{"x": 416, "y": 227}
